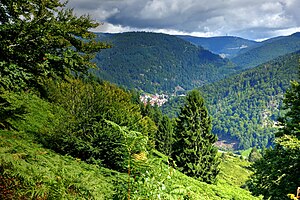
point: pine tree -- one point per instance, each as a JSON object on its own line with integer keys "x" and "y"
{"x": 194, "y": 152}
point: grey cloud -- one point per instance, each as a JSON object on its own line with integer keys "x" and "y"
{"x": 247, "y": 18}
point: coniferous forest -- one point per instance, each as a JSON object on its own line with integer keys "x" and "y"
{"x": 73, "y": 126}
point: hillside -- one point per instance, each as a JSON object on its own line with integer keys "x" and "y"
{"x": 267, "y": 50}
{"x": 155, "y": 62}
{"x": 51, "y": 154}
{"x": 30, "y": 171}
{"x": 226, "y": 46}
{"x": 245, "y": 107}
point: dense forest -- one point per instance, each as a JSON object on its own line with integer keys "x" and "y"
{"x": 245, "y": 107}
{"x": 154, "y": 62}
{"x": 67, "y": 134}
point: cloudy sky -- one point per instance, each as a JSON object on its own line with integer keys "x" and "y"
{"x": 251, "y": 19}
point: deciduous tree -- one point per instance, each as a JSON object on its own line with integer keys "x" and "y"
{"x": 40, "y": 39}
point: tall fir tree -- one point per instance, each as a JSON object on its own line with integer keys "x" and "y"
{"x": 194, "y": 152}
{"x": 165, "y": 136}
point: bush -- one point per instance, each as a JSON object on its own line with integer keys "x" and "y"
{"x": 83, "y": 131}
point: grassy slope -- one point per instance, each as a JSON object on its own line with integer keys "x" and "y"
{"x": 36, "y": 172}
{"x": 29, "y": 171}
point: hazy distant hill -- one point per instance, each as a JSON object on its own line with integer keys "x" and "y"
{"x": 226, "y": 46}
{"x": 156, "y": 62}
{"x": 267, "y": 50}
{"x": 245, "y": 107}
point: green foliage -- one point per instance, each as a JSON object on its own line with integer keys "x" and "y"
{"x": 194, "y": 152}
{"x": 233, "y": 170}
{"x": 136, "y": 146}
{"x": 12, "y": 107}
{"x": 83, "y": 132}
{"x": 156, "y": 62}
{"x": 157, "y": 179}
{"x": 254, "y": 155}
{"x": 290, "y": 121}
{"x": 29, "y": 171}
{"x": 41, "y": 39}
{"x": 164, "y": 136}
{"x": 33, "y": 170}
{"x": 277, "y": 173}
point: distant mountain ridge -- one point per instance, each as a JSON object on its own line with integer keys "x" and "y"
{"x": 247, "y": 53}
{"x": 267, "y": 50}
{"x": 226, "y": 46}
{"x": 155, "y": 62}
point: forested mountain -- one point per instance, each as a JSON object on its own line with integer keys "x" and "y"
{"x": 155, "y": 62}
{"x": 226, "y": 46}
{"x": 246, "y": 53}
{"x": 267, "y": 50}
{"x": 245, "y": 107}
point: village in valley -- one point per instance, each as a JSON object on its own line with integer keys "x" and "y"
{"x": 161, "y": 99}
{"x": 154, "y": 99}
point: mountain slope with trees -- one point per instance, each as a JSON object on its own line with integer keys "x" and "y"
{"x": 245, "y": 107}
{"x": 66, "y": 134}
{"x": 267, "y": 50}
{"x": 155, "y": 62}
{"x": 277, "y": 173}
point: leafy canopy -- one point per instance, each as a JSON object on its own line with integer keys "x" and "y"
{"x": 40, "y": 39}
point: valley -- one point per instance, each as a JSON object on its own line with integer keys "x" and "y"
{"x": 244, "y": 103}
{"x": 144, "y": 115}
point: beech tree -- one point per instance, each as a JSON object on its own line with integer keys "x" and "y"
{"x": 194, "y": 152}
{"x": 43, "y": 39}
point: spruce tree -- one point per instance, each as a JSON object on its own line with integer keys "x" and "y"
{"x": 165, "y": 136}
{"x": 194, "y": 152}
